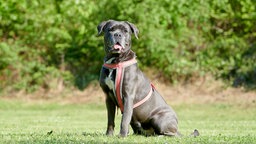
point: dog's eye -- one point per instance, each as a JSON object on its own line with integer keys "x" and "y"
{"x": 111, "y": 29}
{"x": 125, "y": 31}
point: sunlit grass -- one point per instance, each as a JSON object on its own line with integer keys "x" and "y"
{"x": 86, "y": 123}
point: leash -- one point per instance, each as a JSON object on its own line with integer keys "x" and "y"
{"x": 118, "y": 82}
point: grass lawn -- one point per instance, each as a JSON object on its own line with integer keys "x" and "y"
{"x": 23, "y": 122}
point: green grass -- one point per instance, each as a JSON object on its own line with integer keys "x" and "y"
{"x": 22, "y": 122}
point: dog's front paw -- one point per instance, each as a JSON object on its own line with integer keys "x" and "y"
{"x": 110, "y": 133}
{"x": 110, "y": 130}
{"x": 123, "y": 133}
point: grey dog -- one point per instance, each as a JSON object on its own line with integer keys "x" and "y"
{"x": 154, "y": 115}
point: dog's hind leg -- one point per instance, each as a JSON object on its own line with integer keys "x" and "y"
{"x": 136, "y": 127}
{"x": 165, "y": 125}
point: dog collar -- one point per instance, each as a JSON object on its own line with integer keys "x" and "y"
{"x": 118, "y": 82}
{"x": 121, "y": 64}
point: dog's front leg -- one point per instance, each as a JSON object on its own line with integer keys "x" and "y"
{"x": 111, "y": 108}
{"x": 127, "y": 116}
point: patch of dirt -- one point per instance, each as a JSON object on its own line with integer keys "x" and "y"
{"x": 206, "y": 90}
{"x": 203, "y": 90}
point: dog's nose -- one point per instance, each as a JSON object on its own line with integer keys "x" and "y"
{"x": 117, "y": 35}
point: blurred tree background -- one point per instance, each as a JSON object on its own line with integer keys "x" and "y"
{"x": 51, "y": 44}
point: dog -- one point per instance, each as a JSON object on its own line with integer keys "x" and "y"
{"x": 128, "y": 88}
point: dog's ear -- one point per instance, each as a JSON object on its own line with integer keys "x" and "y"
{"x": 101, "y": 27}
{"x": 134, "y": 29}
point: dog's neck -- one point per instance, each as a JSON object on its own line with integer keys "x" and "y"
{"x": 117, "y": 58}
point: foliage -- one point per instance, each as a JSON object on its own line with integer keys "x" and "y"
{"x": 55, "y": 40}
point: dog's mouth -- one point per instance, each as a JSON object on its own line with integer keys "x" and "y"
{"x": 117, "y": 48}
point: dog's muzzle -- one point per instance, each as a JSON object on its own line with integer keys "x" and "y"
{"x": 117, "y": 48}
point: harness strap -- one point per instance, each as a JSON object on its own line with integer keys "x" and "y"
{"x": 118, "y": 89}
{"x": 120, "y": 68}
{"x": 145, "y": 99}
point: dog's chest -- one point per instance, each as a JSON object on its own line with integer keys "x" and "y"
{"x": 109, "y": 80}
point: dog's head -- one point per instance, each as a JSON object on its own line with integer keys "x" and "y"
{"x": 117, "y": 36}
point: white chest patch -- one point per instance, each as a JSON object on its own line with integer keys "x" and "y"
{"x": 109, "y": 81}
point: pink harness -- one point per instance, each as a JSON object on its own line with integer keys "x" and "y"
{"x": 118, "y": 81}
